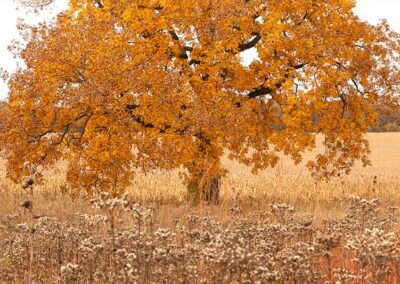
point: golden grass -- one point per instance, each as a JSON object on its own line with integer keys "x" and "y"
{"x": 251, "y": 195}
{"x": 293, "y": 184}
{"x": 286, "y": 183}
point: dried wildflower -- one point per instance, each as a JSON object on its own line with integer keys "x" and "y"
{"x": 27, "y": 183}
{"x": 260, "y": 247}
{"x": 69, "y": 273}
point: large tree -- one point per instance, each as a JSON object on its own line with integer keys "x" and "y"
{"x": 113, "y": 86}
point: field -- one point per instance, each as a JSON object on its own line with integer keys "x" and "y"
{"x": 279, "y": 226}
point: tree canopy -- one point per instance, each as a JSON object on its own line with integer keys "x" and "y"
{"x": 112, "y": 86}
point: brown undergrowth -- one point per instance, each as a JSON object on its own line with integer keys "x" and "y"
{"x": 275, "y": 227}
{"x": 117, "y": 240}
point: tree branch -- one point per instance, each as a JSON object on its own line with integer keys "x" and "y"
{"x": 262, "y": 91}
{"x": 250, "y": 43}
{"x": 99, "y": 4}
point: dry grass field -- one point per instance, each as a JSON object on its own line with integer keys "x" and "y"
{"x": 276, "y": 227}
{"x": 286, "y": 183}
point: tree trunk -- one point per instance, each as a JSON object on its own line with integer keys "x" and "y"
{"x": 210, "y": 190}
{"x": 205, "y": 191}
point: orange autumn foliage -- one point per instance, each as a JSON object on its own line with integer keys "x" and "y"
{"x": 113, "y": 86}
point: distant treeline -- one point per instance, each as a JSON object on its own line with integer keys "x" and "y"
{"x": 388, "y": 122}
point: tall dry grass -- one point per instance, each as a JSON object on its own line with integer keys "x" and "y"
{"x": 254, "y": 235}
{"x": 286, "y": 183}
{"x": 124, "y": 242}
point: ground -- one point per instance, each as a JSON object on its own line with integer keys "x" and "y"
{"x": 279, "y": 226}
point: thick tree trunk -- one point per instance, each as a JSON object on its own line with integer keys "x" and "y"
{"x": 205, "y": 191}
{"x": 210, "y": 190}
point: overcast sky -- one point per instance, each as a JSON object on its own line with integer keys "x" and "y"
{"x": 369, "y": 10}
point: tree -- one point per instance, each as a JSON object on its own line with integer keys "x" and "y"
{"x": 387, "y": 121}
{"x": 117, "y": 85}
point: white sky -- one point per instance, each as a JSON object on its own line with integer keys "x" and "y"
{"x": 370, "y": 10}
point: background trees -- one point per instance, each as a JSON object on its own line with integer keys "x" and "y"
{"x": 387, "y": 122}
{"x": 117, "y": 85}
